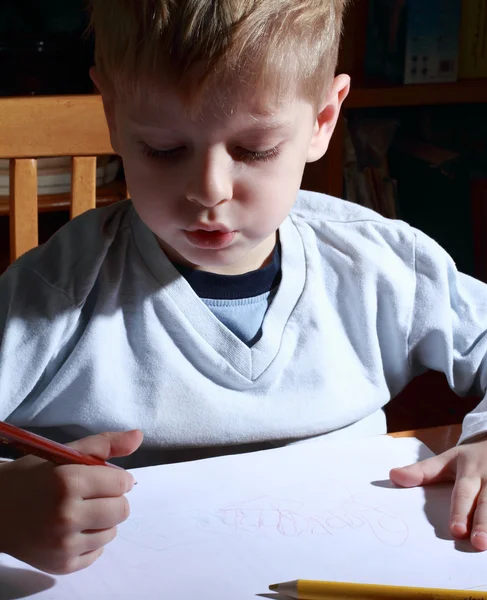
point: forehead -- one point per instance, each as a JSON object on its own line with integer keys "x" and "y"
{"x": 162, "y": 104}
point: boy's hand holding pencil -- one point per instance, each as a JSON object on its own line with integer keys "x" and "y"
{"x": 58, "y": 518}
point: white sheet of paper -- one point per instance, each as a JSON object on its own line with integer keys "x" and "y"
{"x": 226, "y": 528}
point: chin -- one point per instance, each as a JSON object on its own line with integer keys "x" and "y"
{"x": 209, "y": 262}
{"x": 230, "y": 263}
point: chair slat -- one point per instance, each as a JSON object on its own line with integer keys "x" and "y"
{"x": 83, "y": 187}
{"x": 49, "y": 126}
{"x": 23, "y": 206}
{"x": 53, "y": 126}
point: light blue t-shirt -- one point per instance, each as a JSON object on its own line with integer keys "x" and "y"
{"x": 99, "y": 331}
{"x": 243, "y": 316}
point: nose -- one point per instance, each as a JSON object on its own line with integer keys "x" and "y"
{"x": 210, "y": 181}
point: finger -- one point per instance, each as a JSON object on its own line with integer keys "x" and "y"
{"x": 103, "y": 513}
{"x": 94, "y": 540}
{"x": 94, "y": 482}
{"x": 463, "y": 498}
{"x": 432, "y": 470}
{"x": 28, "y": 462}
{"x": 85, "y": 560}
{"x": 73, "y": 564}
{"x": 109, "y": 444}
{"x": 479, "y": 524}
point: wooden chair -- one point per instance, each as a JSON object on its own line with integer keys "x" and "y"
{"x": 35, "y": 127}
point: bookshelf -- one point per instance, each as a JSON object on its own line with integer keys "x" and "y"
{"x": 376, "y": 96}
{"x": 326, "y": 175}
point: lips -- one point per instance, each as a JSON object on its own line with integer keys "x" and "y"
{"x": 215, "y": 227}
{"x": 210, "y": 239}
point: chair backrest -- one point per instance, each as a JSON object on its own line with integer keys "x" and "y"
{"x": 49, "y": 126}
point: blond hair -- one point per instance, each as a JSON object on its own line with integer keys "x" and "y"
{"x": 282, "y": 45}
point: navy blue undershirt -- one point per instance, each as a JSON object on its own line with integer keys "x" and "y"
{"x": 234, "y": 287}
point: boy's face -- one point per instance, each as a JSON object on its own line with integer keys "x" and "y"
{"x": 215, "y": 188}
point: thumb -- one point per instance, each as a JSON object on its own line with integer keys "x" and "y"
{"x": 109, "y": 444}
{"x": 432, "y": 470}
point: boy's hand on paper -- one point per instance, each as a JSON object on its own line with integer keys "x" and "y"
{"x": 466, "y": 465}
{"x": 59, "y": 518}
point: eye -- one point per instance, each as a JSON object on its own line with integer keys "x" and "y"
{"x": 168, "y": 154}
{"x": 253, "y": 156}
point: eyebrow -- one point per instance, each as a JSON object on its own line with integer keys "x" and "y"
{"x": 271, "y": 125}
{"x": 258, "y": 127}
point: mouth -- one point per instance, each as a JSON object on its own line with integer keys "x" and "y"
{"x": 210, "y": 238}
{"x": 210, "y": 228}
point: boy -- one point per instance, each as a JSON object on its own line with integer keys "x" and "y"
{"x": 220, "y": 307}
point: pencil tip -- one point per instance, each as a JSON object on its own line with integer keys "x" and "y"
{"x": 274, "y": 587}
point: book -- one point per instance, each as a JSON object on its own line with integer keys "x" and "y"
{"x": 473, "y": 40}
{"x": 413, "y": 41}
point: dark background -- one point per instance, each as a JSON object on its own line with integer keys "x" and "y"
{"x": 44, "y": 48}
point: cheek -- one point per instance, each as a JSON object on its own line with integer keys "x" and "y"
{"x": 269, "y": 204}
{"x": 148, "y": 191}
{"x": 285, "y": 187}
{"x": 146, "y": 180}
{"x": 281, "y": 179}
{"x": 139, "y": 170}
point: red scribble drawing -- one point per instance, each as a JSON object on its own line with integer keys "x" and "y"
{"x": 270, "y": 515}
{"x": 292, "y": 518}
{"x": 266, "y": 512}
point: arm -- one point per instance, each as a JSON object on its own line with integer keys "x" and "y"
{"x": 37, "y": 322}
{"x": 448, "y": 330}
{"x": 449, "y": 334}
{"x": 56, "y": 518}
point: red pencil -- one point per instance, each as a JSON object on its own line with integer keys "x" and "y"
{"x": 31, "y": 443}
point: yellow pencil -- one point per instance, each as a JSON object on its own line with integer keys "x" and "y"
{"x": 332, "y": 590}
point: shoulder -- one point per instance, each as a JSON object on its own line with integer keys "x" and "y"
{"x": 358, "y": 231}
{"x": 347, "y": 235}
{"x": 320, "y": 209}
{"x": 69, "y": 262}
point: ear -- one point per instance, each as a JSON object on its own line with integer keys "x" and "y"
{"x": 108, "y": 100}
{"x": 327, "y": 117}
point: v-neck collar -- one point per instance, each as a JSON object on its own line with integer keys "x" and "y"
{"x": 215, "y": 286}
{"x": 212, "y": 335}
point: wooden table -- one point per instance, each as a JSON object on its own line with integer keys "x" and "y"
{"x": 437, "y": 439}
